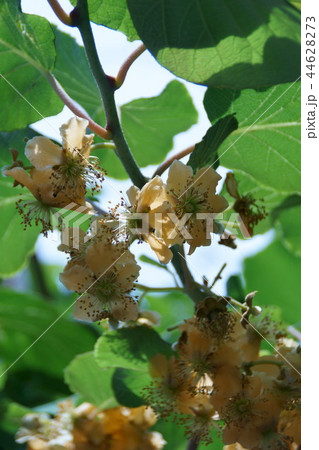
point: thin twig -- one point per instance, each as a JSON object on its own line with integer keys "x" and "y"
{"x": 119, "y": 80}
{"x": 218, "y": 276}
{"x": 142, "y": 287}
{"x": 107, "y": 87}
{"x": 60, "y": 13}
{"x": 103, "y": 145}
{"x": 75, "y": 108}
{"x": 165, "y": 165}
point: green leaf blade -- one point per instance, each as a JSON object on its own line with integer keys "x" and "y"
{"x": 222, "y": 43}
{"x": 266, "y": 145}
{"x": 150, "y": 124}
{"x": 26, "y": 317}
{"x": 205, "y": 152}
{"x": 90, "y": 381}
{"x": 112, "y": 14}
{"x": 129, "y": 348}
{"x": 275, "y": 273}
{"x": 27, "y": 52}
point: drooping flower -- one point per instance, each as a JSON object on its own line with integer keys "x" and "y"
{"x": 250, "y": 212}
{"x": 105, "y": 277}
{"x": 147, "y": 217}
{"x": 58, "y": 176}
{"x": 194, "y": 201}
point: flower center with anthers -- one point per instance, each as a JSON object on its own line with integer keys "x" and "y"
{"x": 106, "y": 286}
{"x": 191, "y": 202}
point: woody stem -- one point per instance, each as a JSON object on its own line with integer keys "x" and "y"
{"x": 107, "y": 87}
{"x": 75, "y": 108}
{"x": 60, "y": 13}
{"x": 127, "y": 64}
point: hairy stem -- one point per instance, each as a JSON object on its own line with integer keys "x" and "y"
{"x": 107, "y": 87}
{"x": 191, "y": 288}
{"x": 127, "y": 64}
{"x": 60, "y": 13}
{"x": 142, "y": 287}
{"x": 218, "y": 276}
{"x": 165, "y": 165}
{"x": 75, "y": 108}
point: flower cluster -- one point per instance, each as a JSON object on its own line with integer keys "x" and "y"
{"x": 103, "y": 271}
{"x": 58, "y": 177}
{"x": 87, "y": 428}
{"x": 182, "y": 210}
{"x": 218, "y": 380}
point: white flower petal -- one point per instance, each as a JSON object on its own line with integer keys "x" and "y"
{"x": 22, "y": 177}
{"x": 73, "y": 133}
{"x": 89, "y": 308}
{"x": 124, "y": 309}
{"x": 180, "y": 176}
{"x": 43, "y": 153}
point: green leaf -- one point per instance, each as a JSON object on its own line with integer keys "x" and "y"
{"x": 17, "y": 140}
{"x": 205, "y": 152}
{"x": 226, "y": 43}
{"x": 26, "y": 318}
{"x": 10, "y": 225}
{"x": 112, "y": 14}
{"x": 90, "y": 381}
{"x": 11, "y": 414}
{"x": 111, "y": 163}
{"x": 73, "y": 72}
{"x": 289, "y": 227}
{"x": 275, "y": 273}
{"x": 16, "y": 253}
{"x": 296, "y": 4}
{"x": 150, "y": 124}
{"x": 129, "y": 387}
{"x": 173, "y": 307}
{"x": 235, "y": 288}
{"x": 26, "y": 53}
{"x": 175, "y": 437}
{"x": 266, "y": 146}
{"x": 3, "y": 376}
{"x": 129, "y": 348}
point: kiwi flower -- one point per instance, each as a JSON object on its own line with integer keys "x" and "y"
{"x": 194, "y": 196}
{"x": 151, "y": 203}
{"x": 105, "y": 276}
{"x": 58, "y": 176}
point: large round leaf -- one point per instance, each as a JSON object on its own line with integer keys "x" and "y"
{"x": 222, "y": 43}
{"x": 26, "y": 52}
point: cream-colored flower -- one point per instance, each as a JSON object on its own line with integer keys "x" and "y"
{"x": 193, "y": 194}
{"x": 152, "y": 206}
{"x": 59, "y": 175}
{"x": 105, "y": 277}
{"x": 86, "y": 427}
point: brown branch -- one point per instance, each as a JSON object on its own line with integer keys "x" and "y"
{"x": 60, "y": 13}
{"x": 218, "y": 276}
{"x": 119, "y": 80}
{"x": 77, "y": 109}
{"x": 165, "y": 165}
